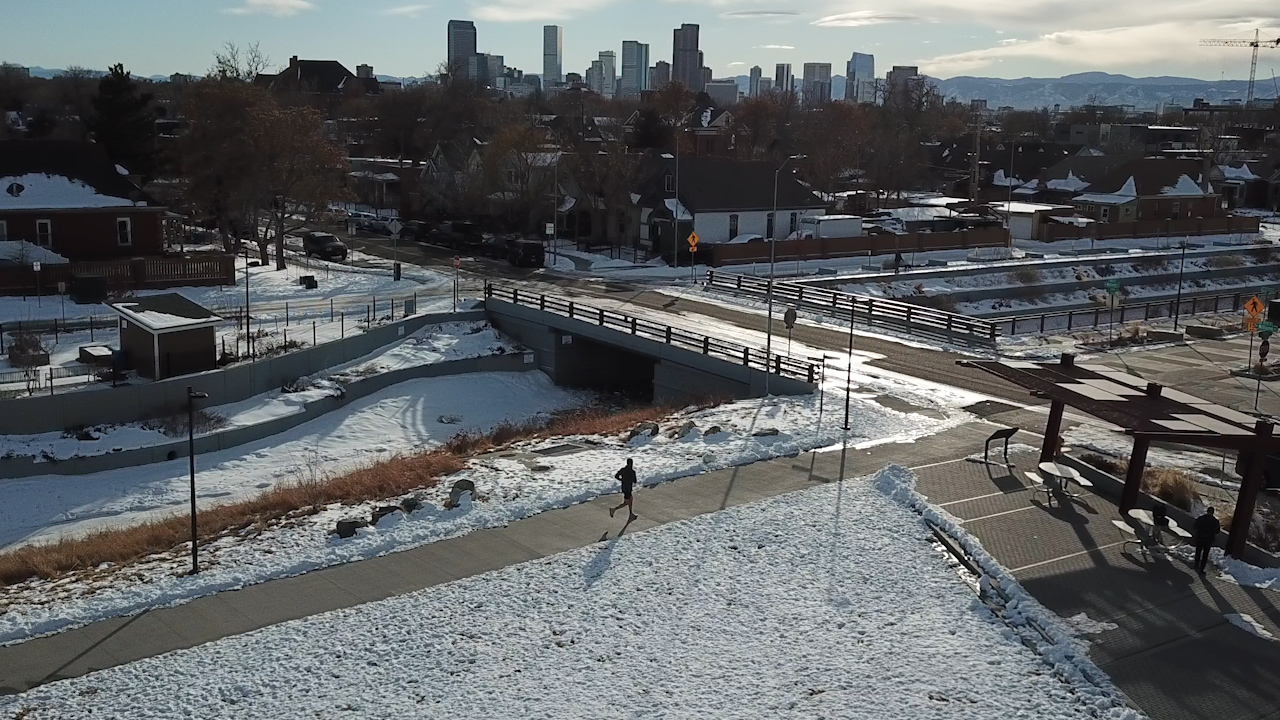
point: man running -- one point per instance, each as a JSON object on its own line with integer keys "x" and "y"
{"x": 626, "y": 476}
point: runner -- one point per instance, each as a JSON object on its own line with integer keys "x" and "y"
{"x": 626, "y": 476}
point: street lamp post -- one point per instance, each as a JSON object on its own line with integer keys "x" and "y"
{"x": 848, "y": 375}
{"x": 773, "y": 256}
{"x": 192, "y": 396}
{"x": 1177, "y": 304}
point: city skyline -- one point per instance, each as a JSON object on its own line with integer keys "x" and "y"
{"x": 156, "y": 38}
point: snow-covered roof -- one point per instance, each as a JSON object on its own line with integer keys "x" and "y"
{"x": 937, "y": 201}
{"x": 41, "y": 191}
{"x": 1026, "y": 208}
{"x": 672, "y": 203}
{"x": 165, "y": 313}
{"x": 1071, "y": 220}
{"x": 1070, "y": 183}
{"x": 1002, "y": 180}
{"x": 24, "y": 253}
{"x": 1185, "y": 187}
{"x": 1238, "y": 173}
{"x": 1126, "y": 194}
{"x": 370, "y": 175}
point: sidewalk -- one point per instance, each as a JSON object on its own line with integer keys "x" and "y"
{"x": 122, "y": 640}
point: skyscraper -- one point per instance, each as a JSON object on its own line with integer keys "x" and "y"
{"x": 904, "y": 85}
{"x": 783, "y": 80}
{"x": 860, "y": 79}
{"x": 552, "y": 55}
{"x": 686, "y": 60}
{"x": 817, "y": 83}
{"x": 462, "y": 47}
{"x": 635, "y": 68}
{"x": 754, "y": 88}
{"x": 595, "y": 77}
{"x": 660, "y": 75}
{"x": 609, "y": 73}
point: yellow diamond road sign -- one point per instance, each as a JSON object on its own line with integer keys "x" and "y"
{"x": 1254, "y": 307}
{"x": 693, "y": 241}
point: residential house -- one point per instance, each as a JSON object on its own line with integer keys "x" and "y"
{"x": 720, "y": 199}
{"x": 1068, "y": 178}
{"x": 1152, "y": 189}
{"x": 69, "y": 197}
{"x": 1249, "y": 184}
{"x": 325, "y": 79}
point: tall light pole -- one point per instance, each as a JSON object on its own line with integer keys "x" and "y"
{"x": 773, "y": 256}
{"x": 1177, "y": 304}
{"x": 192, "y": 396}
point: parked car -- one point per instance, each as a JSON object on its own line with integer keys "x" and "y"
{"x": 414, "y": 230}
{"x": 454, "y": 234}
{"x": 495, "y": 247}
{"x": 527, "y": 253}
{"x": 324, "y": 245}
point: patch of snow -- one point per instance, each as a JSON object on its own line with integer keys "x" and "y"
{"x": 1002, "y": 180}
{"x": 1082, "y": 624}
{"x": 24, "y": 253}
{"x": 1127, "y": 193}
{"x": 759, "y": 610}
{"x": 1248, "y": 624}
{"x": 1238, "y": 173}
{"x": 122, "y": 170}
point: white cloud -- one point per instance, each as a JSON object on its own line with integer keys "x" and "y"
{"x": 735, "y": 64}
{"x": 404, "y": 11}
{"x": 774, "y": 47}
{"x": 279, "y": 8}
{"x": 523, "y": 11}
{"x": 861, "y": 18}
{"x": 1131, "y": 47}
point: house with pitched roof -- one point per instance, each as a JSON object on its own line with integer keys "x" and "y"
{"x": 319, "y": 77}
{"x": 1153, "y": 189}
{"x": 70, "y": 198}
{"x": 720, "y": 199}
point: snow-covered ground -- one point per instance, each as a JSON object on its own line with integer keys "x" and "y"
{"x": 826, "y": 603}
{"x": 427, "y": 346}
{"x": 267, "y": 287}
{"x": 511, "y": 488}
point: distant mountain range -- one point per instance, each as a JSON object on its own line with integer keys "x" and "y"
{"x": 1082, "y": 88}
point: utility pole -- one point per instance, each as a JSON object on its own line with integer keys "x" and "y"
{"x": 975, "y": 159}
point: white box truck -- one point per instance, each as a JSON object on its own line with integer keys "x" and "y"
{"x": 831, "y": 226}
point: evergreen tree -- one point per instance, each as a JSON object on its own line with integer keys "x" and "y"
{"x": 124, "y": 122}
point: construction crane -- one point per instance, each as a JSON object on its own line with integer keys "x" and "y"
{"x": 1255, "y": 43}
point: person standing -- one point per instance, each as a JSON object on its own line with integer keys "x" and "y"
{"x": 1206, "y": 529}
{"x": 626, "y": 476}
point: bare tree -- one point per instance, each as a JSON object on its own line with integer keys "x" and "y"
{"x": 233, "y": 63}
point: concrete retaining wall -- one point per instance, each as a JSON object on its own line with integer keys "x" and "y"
{"x": 26, "y": 466}
{"x": 104, "y": 405}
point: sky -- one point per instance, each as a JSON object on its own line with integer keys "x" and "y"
{"x": 945, "y": 38}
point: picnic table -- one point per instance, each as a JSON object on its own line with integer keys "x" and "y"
{"x": 1058, "y": 476}
{"x": 1158, "y": 530}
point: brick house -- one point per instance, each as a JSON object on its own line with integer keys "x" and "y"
{"x": 70, "y": 198}
{"x": 1153, "y": 189}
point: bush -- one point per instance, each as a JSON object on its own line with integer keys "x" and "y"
{"x": 1175, "y": 487}
{"x": 1229, "y": 260}
{"x": 1026, "y": 276}
{"x": 176, "y": 425}
{"x": 1151, "y": 264}
{"x": 1263, "y": 255}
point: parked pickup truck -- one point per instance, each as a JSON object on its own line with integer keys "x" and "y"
{"x": 457, "y": 235}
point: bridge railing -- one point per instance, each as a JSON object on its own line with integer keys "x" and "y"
{"x": 874, "y": 312}
{"x": 755, "y": 358}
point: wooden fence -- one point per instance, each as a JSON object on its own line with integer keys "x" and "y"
{"x": 124, "y": 275}
{"x": 1151, "y": 229}
{"x": 722, "y": 254}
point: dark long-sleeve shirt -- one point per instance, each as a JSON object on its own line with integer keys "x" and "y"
{"x": 1206, "y": 528}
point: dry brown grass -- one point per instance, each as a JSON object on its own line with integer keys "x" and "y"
{"x": 391, "y": 478}
{"x": 1176, "y": 487}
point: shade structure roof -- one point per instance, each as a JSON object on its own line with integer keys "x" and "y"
{"x": 1140, "y": 407}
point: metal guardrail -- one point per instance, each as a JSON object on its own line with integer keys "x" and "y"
{"x": 755, "y": 358}
{"x": 876, "y": 312}
{"x": 1095, "y": 317}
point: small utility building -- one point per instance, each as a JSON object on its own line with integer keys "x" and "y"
{"x": 163, "y": 336}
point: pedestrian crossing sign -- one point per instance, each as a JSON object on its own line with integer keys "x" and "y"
{"x": 693, "y": 242}
{"x": 1254, "y": 307}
